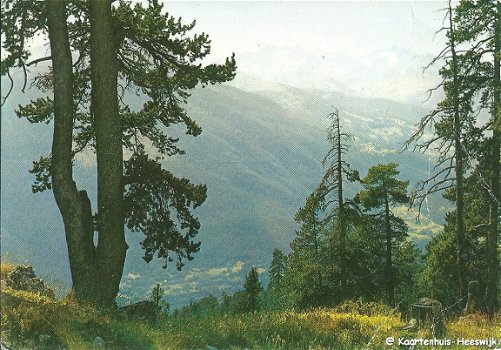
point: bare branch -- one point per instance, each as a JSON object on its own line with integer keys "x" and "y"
{"x": 25, "y": 78}
{"x": 38, "y": 60}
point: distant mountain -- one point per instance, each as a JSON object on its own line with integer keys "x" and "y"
{"x": 259, "y": 154}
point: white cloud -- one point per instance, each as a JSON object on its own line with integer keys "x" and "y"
{"x": 217, "y": 272}
{"x": 133, "y": 276}
{"x": 237, "y": 267}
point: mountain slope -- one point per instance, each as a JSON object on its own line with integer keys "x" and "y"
{"x": 259, "y": 154}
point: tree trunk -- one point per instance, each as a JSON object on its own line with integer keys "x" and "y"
{"x": 318, "y": 258}
{"x": 74, "y": 205}
{"x": 389, "y": 263}
{"x": 111, "y": 248}
{"x": 493, "y": 232}
{"x": 460, "y": 226}
{"x": 342, "y": 227}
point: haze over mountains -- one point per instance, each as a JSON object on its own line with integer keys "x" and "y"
{"x": 260, "y": 155}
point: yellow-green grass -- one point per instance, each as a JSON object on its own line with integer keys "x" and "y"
{"x": 31, "y": 321}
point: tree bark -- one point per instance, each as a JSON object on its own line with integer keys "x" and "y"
{"x": 74, "y": 205}
{"x": 111, "y": 248}
{"x": 493, "y": 232}
{"x": 389, "y": 264}
{"x": 458, "y": 168}
{"x": 342, "y": 226}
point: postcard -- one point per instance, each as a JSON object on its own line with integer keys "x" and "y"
{"x": 250, "y": 174}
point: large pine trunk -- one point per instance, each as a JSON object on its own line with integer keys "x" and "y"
{"x": 95, "y": 271}
{"x": 111, "y": 247}
{"x": 74, "y": 205}
{"x": 342, "y": 225}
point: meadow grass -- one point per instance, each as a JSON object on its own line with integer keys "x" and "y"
{"x": 31, "y": 321}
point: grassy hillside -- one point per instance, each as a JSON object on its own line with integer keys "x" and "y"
{"x": 32, "y": 321}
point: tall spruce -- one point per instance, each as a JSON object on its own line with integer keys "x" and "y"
{"x": 102, "y": 53}
{"x": 337, "y": 172}
{"x": 305, "y": 275}
{"x": 479, "y": 31}
{"x": 440, "y": 263}
{"x": 381, "y": 191}
{"x": 252, "y": 288}
{"x": 453, "y": 126}
{"x": 277, "y": 270}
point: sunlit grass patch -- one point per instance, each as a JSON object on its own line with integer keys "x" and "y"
{"x": 475, "y": 326}
{"x": 313, "y": 329}
{"x": 5, "y": 268}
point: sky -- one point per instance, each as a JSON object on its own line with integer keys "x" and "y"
{"x": 370, "y": 48}
{"x": 363, "y": 48}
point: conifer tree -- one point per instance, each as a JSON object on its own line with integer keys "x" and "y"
{"x": 102, "y": 52}
{"x": 337, "y": 172}
{"x": 381, "y": 191}
{"x": 454, "y": 127}
{"x": 471, "y": 82}
{"x": 305, "y": 275}
{"x": 478, "y": 26}
{"x": 277, "y": 270}
{"x": 252, "y": 288}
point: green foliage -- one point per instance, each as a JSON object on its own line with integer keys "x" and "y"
{"x": 278, "y": 267}
{"x": 156, "y": 297}
{"x": 160, "y": 59}
{"x": 252, "y": 288}
{"x": 305, "y": 276}
{"x": 381, "y": 186}
{"x": 208, "y": 306}
{"x": 153, "y": 198}
{"x": 381, "y": 191}
{"x": 439, "y": 278}
{"x": 409, "y": 265}
{"x": 275, "y": 296}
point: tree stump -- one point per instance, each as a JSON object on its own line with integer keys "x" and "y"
{"x": 429, "y": 315}
{"x": 473, "y": 293}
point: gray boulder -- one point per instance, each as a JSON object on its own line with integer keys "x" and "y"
{"x": 23, "y": 277}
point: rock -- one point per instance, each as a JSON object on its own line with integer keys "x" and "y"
{"x": 44, "y": 338}
{"x": 144, "y": 310}
{"x": 23, "y": 277}
{"x": 412, "y": 325}
{"x": 98, "y": 343}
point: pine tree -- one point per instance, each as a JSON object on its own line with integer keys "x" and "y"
{"x": 252, "y": 288}
{"x": 381, "y": 191}
{"x": 454, "y": 128}
{"x": 471, "y": 82}
{"x": 409, "y": 266}
{"x": 102, "y": 54}
{"x": 440, "y": 275}
{"x": 305, "y": 276}
{"x": 331, "y": 187}
{"x": 277, "y": 270}
{"x": 479, "y": 31}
